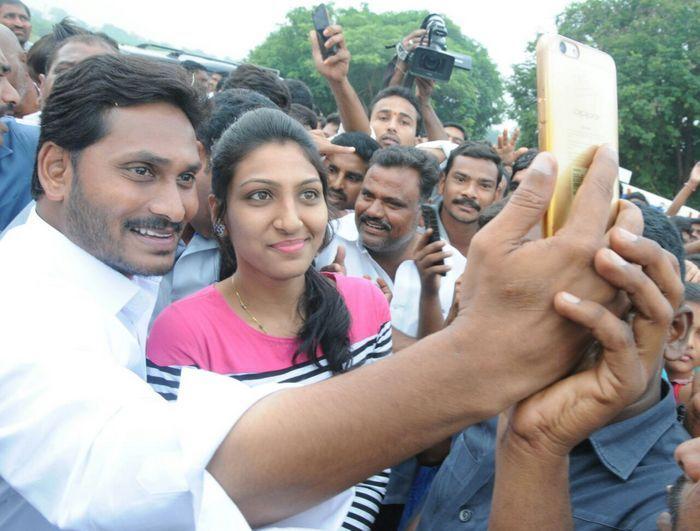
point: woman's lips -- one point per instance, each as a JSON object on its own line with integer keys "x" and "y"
{"x": 289, "y": 246}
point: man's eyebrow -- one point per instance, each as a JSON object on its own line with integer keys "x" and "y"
{"x": 156, "y": 160}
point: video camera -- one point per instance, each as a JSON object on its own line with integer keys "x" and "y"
{"x": 432, "y": 60}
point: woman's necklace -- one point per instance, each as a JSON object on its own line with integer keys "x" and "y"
{"x": 245, "y": 308}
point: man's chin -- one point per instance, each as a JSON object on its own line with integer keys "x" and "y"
{"x": 156, "y": 267}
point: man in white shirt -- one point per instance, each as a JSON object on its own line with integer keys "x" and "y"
{"x": 382, "y": 240}
{"x": 86, "y": 444}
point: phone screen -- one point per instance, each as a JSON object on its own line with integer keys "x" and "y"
{"x": 577, "y": 112}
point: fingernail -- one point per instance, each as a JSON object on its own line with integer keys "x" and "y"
{"x": 627, "y": 235}
{"x": 568, "y": 297}
{"x": 616, "y": 257}
{"x": 543, "y": 163}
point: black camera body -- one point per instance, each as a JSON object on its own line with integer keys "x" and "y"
{"x": 432, "y": 60}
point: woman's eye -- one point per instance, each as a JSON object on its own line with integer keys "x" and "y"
{"x": 310, "y": 195}
{"x": 260, "y": 196}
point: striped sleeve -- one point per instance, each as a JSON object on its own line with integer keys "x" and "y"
{"x": 164, "y": 380}
{"x": 367, "y": 502}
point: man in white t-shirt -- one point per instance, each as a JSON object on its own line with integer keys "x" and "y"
{"x": 382, "y": 240}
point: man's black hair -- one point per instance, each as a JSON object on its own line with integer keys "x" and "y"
{"x": 682, "y": 223}
{"x": 523, "y": 161}
{"x": 401, "y": 92}
{"x": 659, "y": 228}
{"x": 17, "y": 3}
{"x": 228, "y": 106}
{"x": 42, "y": 50}
{"x": 193, "y": 66}
{"x": 87, "y": 37}
{"x": 303, "y": 115}
{"x": 333, "y": 118}
{"x": 457, "y": 126}
{"x": 491, "y": 211}
{"x": 263, "y": 81}
{"x": 637, "y": 197}
{"x": 300, "y": 93}
{"x": 364, "y": 145}
{"x": 410, "y": 157}
{"x": 476, "y": 150}
{"x": 692, "y": 292}
{"x": 74, "y": 115}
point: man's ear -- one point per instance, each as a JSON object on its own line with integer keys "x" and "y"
{"x": 680, "y": 327}
{"x": 55, "y": 171}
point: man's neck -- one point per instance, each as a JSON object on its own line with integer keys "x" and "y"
{"x": 390, "y": 261}
{"x": 459, "y": 233}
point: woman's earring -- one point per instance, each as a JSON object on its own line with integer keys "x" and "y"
{"x": 219, "y": 229}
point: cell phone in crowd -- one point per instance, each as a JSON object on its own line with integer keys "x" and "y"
{"x": 431, "y": 222}
{"x": 321, "y": 22}
{"x": 576, "y": 111}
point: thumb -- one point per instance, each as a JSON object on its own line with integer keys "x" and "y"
{"x": 340, "y": 256}
{"x": 528, "y": 203}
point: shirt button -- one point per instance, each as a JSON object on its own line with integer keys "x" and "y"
{"x": 465, "y": 515}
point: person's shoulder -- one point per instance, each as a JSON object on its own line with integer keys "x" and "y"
{"x": 366, "y": 303}
{"x": 194, "y": 307}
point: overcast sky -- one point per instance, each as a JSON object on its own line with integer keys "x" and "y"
{"x": 233, "y": 28}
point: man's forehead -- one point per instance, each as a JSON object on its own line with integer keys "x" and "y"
{"x": 13, "y": 8}
{"x": 76, "y": 52}
{"x": 347, "y": 160}
{"x": 160, "y": 128}
{"x": 397, "y": 181}
{"x": 395, "y": 104}
{"x": 475, "y": 167}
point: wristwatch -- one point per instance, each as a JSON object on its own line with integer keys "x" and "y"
{"x": 401, "y": 52}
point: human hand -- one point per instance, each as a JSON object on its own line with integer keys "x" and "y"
{"x": 692, "y": 273}
{"x": 511, "y": 280}
{"x": 326, "y": 147}
{"x": 695, "y": 174}
{"x": 338, "y": 263}
{"x": 554, "y": 420}
{"x": 684, "y": 494}
{"x": 383, "y": 286}
{"x": 505, "y": 147}
{"x": 424, "y": 90}
{"x": 430, "y": 261}
{"x": 335, "y": 67}
{"x": 692, "y": 412}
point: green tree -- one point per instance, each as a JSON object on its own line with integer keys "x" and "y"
{"x": 656, "y": 46}
{"x": 471, "y": 98}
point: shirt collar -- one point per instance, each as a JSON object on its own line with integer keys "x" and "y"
{"x": 622, "y": 446}
{"x": 110, "y": 289}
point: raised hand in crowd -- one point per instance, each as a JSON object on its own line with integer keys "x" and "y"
{"x": 688, "y": 189}
{"x": 335, "y": 69}
{"x": 407, "y": 45}
{"x": 505, "y": 146}
{"x": 338, "y": 264}
{"x": 536, "y": 436}
{"x": 431, "y": 121}
{"x": 326, "y": 147}
{"x": 430, "y": 261}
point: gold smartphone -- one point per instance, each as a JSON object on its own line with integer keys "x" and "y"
{"x": 576, "y": 111}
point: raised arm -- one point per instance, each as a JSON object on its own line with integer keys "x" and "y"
{"x": 335, "y": 69}
{"x": 536, "y": 436}
{"x": 688, "y": 189}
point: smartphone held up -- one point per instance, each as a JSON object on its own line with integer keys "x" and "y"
{"x": 577, "y": 112}
{"x": 321, "y": 22}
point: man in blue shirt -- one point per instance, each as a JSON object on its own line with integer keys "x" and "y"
{"x": 17, "y": 156}
{"x": 616, "y": 476}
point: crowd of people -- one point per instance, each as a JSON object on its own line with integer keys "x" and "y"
{"x": 225, "y": 310}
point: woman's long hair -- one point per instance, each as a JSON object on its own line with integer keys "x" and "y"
{"x": 326, "y": 317}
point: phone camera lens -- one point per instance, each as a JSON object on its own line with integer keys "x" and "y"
{"x": 562, "y": 47}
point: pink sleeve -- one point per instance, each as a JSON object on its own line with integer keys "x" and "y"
{"x": 172, "y": 341}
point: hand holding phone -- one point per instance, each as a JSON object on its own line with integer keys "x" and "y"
{"x": 577, "y": 112}
{"x": 321, "y": 22}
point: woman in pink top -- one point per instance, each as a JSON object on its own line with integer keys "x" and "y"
{"x": 273, "y": 317}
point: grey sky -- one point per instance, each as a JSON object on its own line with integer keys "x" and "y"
{"x": 234, "y": 28}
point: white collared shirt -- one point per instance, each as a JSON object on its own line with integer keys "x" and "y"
{"x": 405, "y": 287}
{"x": 85, "y": 443}
{"x": 196, "y": 267}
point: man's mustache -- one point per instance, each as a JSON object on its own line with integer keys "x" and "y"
{"x": 375, "y": 221}
{"x": 467, "y": 201}
{"x": 154, "y": 224}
